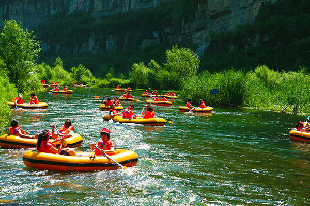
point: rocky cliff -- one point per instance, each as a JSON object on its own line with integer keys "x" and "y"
{"x": 209, "y": 16}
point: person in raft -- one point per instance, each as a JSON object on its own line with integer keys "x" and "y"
{"x": 116, "y": 102}
{"x": 117, "y": 87}
{"x": 112, "y": 111}
{"x": 105, "y": 144}
{"x": 17, "y": 131}
{"x": 34, "y": 99}
{"x": 163, "y": 98}
{"x": 189, "y": 104}
{"x": 43, "y": 145}
{"x": 19, "y": 99}
{"x": 128, "y": 113}
{"x": 202, "y": 104}
{"x": 65, "y": 88}
{"x": 108, "y": 102}
{"x": 149, "y": 113}
{"x": 65, "y": 131}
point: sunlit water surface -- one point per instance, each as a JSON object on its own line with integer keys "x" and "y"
{"x": 230, "y": 157}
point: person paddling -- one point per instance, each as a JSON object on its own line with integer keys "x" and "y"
{"x": 112, "y": 111}
{"x": 105, "y": 144}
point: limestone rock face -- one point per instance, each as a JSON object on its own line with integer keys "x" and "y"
{"x": 210, "y": 16}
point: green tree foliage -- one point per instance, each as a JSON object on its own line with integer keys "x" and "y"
{"x": 19, "y": 50}
{"x": 78, "y": 73}
{"x": 7, "y": 91}
{"x": 139, "y": 75}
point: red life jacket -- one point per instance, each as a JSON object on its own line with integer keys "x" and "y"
{"x": 34, "y": 100}
{"x": 64, "y": 130}
{"x": 12, "y": 130}
{"x": 202, "y": 105}
{"x": 149, "y": 114}
{"x": 108, "y": 103}
{"x": 19, "y": 100}
{"x": 188, "y": 104}
{"x": 43, "y": 149}
{"x": 104, "y": 146}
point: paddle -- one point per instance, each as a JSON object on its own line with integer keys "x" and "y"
{"x": 110, "y": 158}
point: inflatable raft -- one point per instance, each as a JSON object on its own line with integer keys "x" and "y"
{"x": 170, "y": 97}
{"x": 138, "y": 120}
{"x": 196, "y": 109}
{"x": 16, "y": 142}
{"x": 84, "y": 161}
{"x": 126, "y": 99}
{"x": 41, "y": 105}
{"x": 300, "y": 136}
{"x": 122, "y": 90}
{"x": 107, "y": 108}
{"x": 159, "y": 103}
{"x": 62, "y": 91}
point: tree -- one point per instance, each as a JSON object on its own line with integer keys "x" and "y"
{"x": 182, "y": 61}
{"x": 19, "y": 50}
{"x": 78, "y": 73}
{"x": 139, "y": 75}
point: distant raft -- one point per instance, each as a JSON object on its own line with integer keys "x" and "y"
{"x": 16, "y": 142}
{"x": 41, "y": 105}
{"x": 126, "y": 99}
{"x": 299, "y": 136}
{"x": 138, "y": 120}
{"x": 170, "y": 97}
{"x": 107, "y": 108}
{"x": 122, "y": 90}
{"x": 196, "y": 109}
{"x": 159, "y": 103}
{"x": 62, "y": 91}
{"x": 83, "y": 161}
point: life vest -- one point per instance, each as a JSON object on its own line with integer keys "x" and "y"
{"x": 145, "y": 92}
{"x": 116, "y": 102}
{"x": 172, "y": 94}
{"x": 112, "y": 111}
{"x": 64, "y": 130}
{"x": 202, "y": 105}
{"x": 65, "y": 89}
{"x": 104, "y": 146}
{"x": 43, "y": 149}
{"x": 108, "y": 103}
{"x": 12, "y": 130}
{"x": 188, "y": 104}
{"x": 163, "y": 99}
{"x": 19, "y": 100}
{"x": 34, "y": 100}
{"x": 124, "y": 113}
{"x": 149, "y": 114}
{"x": 156, "y": 99}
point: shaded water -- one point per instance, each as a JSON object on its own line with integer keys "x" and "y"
{"x": 230, "y": 157}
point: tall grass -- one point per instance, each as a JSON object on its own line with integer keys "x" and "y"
{"x": 262, "y": 88}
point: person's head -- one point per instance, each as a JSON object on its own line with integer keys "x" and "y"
{"x": 112, "y": 106}
{"x": 105, "y": 134}
{"x": 32, "y": 94}
{"x": 109, "y": 98}
{"x": 189, "y": 100}
{"x": 150, "y": 108}
{"x": 68, "y": 123}
{"x": 20, "y": 96}
{"x": 14, "y": 123}
{"x": 43, "y": 136}
{"x": 131, "y": 107}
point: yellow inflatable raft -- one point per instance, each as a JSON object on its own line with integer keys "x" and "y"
{"x": 84, "y": 161}
{"x": 138, "y": 120}
{"x": 159, "y": 103}
{"x": 296, "y": 135}
{"x": 196, "y": 109}
{"x": 16, "y": 142}
{"x": 107, "y": 108}
{"x": 122, "y": 90}
{"x": 126, "y": 99}
{"x": 41, "y": 105}
{"x": 170, "y": 97}
{"x": 62, "y": 92}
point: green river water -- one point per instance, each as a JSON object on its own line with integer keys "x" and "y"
{"x": 231, "y": 157}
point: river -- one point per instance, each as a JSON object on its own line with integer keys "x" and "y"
{"x": 229, "y": 157}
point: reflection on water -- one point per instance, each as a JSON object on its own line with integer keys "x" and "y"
{"x": 228, "y": 157}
